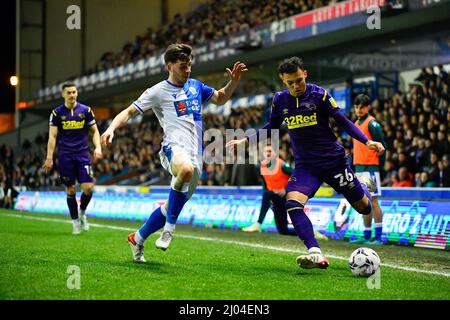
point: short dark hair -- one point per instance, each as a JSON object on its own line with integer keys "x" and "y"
{"x": 67, "y": 85}
{"x": 290, "y": 65}
{"x": 362, "y": 99}
{"x": 178, "y": 51}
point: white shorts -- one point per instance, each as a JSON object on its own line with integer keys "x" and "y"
{"x": 375, "y": 176}
{"x": 166, "y": 155}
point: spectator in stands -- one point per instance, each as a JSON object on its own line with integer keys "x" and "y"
{"x": 444, "y": 172}
{"x": 442, "y": 73}
{"x": 420, "y": 154}
{"x": 404, "y": 118}
{"x": 404, "y": 161}
{"x": 405, "y": 178}
{"x": 432, "y": 168}
{"x": 442, "y": 144}
{"x": 425, "y": 181}
{"x": 211, "y": 21}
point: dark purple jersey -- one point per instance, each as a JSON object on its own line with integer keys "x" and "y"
{"x": 72, "y": 127}
{"x": 313, "y": 142}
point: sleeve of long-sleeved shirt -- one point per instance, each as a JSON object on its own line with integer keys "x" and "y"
{"x": 343, "y": 122}
{"x": 376, "y": 132}
{"x": 275, "y": 119}
{"x": 349, "y": 127}
{"x": 286, "y": 168}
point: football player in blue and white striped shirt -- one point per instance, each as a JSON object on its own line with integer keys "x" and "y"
{"x": 177, "y": 103}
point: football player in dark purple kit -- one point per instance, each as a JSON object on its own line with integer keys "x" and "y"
{"x": 69, "y": 123}
{"x": 319, "y": 157}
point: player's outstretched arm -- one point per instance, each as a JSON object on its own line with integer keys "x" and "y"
{"x": 52, "y": 134}
{"x": 230, "y": 144}
{"x": 274, "y": 123}
{"x": 119, "y": 120}
{"x": 356, "y": 133}
{"x": 223, "y": 95}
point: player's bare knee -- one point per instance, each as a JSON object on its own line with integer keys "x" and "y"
{"x": 88, "y": 189}
{"x": 71, "y": 190}
{"x": 186, "y": 172}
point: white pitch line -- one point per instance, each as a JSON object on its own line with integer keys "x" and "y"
{"x": 240, "y": 243}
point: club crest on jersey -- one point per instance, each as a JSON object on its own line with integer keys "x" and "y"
{"x": 181, "y": 107}
{"x": 81, "y": 115}
{"x": 63, "y": 117}
{"x": 285, "y": 111}
{"x": 192, "y": 90}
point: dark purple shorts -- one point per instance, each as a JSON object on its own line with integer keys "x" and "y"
{"x": 74, "y": 167}
{"x": 342, "y": 179}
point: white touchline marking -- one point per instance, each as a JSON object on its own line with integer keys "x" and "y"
{"x": 246, "y": 244}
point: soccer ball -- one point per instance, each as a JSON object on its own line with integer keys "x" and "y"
{"x": 364, "y": 262}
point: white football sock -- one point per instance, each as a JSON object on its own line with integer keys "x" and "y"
{"x": 164, "y": 210}
{"x": 169, "y": 227}
{"x": 138, "y": 238}
{"x": 314, "y": 250}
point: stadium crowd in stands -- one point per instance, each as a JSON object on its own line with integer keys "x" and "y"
{"x": 416, "y": 130}
{"x": 415, "y": 124}
{"x": 210, "y": 21}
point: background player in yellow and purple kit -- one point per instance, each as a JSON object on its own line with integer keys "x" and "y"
{"x": 319, "y": 157}
{"x": 69, "y": 123}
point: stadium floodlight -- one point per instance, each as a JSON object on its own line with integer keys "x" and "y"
{"x": 14, "y": 81}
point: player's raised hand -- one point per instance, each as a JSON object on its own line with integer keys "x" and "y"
{"x": 238, "y": 69}
{"x": 48, "y": 165}
{"x": 107, "y": 138}
{"x": 377, "y": 146}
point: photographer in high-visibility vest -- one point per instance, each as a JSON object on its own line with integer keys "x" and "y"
{"x": 275, "y": 174}
{"x": 367, "y": 163}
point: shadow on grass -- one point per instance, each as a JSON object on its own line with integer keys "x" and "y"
{"x": 149, "y": 265}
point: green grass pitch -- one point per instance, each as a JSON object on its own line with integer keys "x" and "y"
{"x": 37, "y": 251}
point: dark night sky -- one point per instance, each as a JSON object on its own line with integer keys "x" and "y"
{"x": 7, "y": 65}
